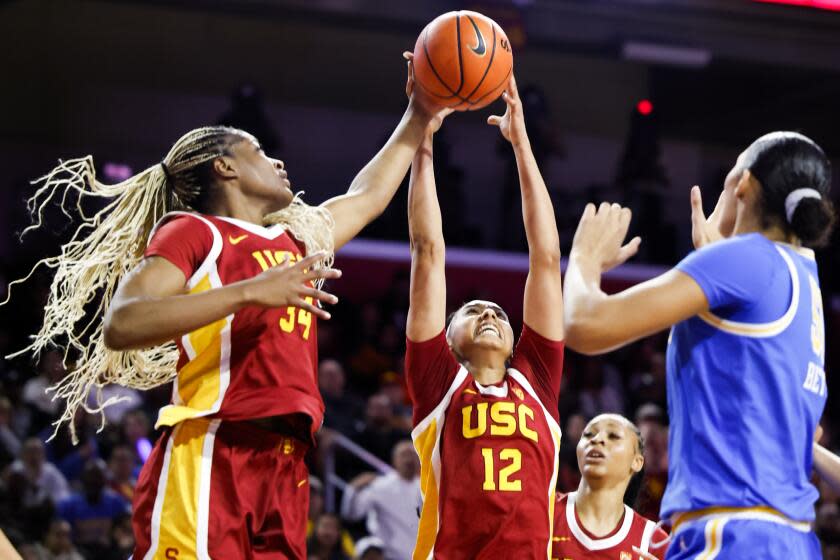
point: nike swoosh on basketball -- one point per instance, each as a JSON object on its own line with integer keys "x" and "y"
{"x": 235, "y": 240}
{"x": 481, "y": 48}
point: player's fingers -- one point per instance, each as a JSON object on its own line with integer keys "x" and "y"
{"x": 408, "y": 55}
{"x": 697, "y": 214}
{"x": 494, "y": 120}
{"x": 307, "y": 262}
{"x": 629, "y": 249}
{"x": 320, "y": 295}
{"x": 314, "y": 309}
{"x": 514, "y": 91}
{"x": 319, "y": 273}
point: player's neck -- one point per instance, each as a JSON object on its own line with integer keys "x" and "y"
{"x": 752, "y": 224}
{"x": 599, "y": 510}
{"x": 234, "y": 204}
{"x": 486, "y": 373}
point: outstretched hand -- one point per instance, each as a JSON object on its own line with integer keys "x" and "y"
{"x": 600, "y": 235}
{"x": 717, "y": 226}
{"x": 512, "y": 123}
{"x": 421, "y": 101}
{"x": 290, "y": 284}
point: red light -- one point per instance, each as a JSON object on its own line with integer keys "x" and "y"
{"x": 644, "y": 107}
{"x": 819, "y": 4}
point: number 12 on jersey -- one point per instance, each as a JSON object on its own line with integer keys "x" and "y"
{"x": 513, "y": 458}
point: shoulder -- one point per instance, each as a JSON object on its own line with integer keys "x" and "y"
{"x": 736, "y": 251}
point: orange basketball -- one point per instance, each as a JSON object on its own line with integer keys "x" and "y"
{"x": 462, "y": 60}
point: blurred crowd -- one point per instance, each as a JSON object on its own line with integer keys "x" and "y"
{"x": 60, "y": 501}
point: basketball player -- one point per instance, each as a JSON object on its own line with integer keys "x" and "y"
{"x": 746, "y": 385}
{"x": 593, "y": 522}
{"x": 485, "y": 415}
{"x": 229, "y": 274}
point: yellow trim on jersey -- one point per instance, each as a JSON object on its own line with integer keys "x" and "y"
{"x": 714, "y": 539}
{"x": 180, "y": 516}
{"x": 761, "y": 330}
{"x": 425, "y": 443}
{"x": 199, "y": 382}
{"x": 755, "y": 512}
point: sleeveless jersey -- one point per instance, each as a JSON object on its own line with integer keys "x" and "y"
{"x": 257, "y": 362}
{"x": 488, "y": 454}
{"x": 571, "y": 541}
{"x": 746, "y": 384}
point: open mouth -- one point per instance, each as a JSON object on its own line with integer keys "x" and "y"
{"x": 488, "y": 328}
{"x": 595, "y": 455}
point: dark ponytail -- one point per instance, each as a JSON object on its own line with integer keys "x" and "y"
{"x": 795, "y": 178}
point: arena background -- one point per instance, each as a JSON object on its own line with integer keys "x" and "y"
{"x": 633, "y": 101}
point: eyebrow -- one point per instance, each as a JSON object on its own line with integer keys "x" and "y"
{"x": 496, "y": 308}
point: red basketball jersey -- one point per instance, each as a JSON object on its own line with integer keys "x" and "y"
{"x": 488, "y": 454}
{"x": 571, "y": 541}
{"x": 257, "y": 362}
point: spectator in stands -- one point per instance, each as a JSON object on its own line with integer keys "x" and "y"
{"x": 92, "y": 512}
{"x": 650, "y": 418}
{"x": 568, "y": 478}
{"x": 378, "y": 433}
{"x": 57, "y": 543}
{"x": 370, "y": 548}
{"x": 10, "y": 444}
{"x": 316, "y": 508}
{"x": 45, "y": 481}
{"x": 325, "y": 542}
{"x": 390, "y": 502}
{"x": 601, "y": 391}
{"x": 342, "y": 409}
{"x": 42, "y": 406}
{"x": 122, "y": 466}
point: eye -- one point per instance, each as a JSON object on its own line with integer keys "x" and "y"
{"x": 587, "y": 435}
{"x": 614, "y": 435}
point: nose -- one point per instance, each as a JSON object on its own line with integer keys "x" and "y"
{"x": 598, "y": 438}
{"x": 488, "y": 313}
{"x": 278, "y": 163}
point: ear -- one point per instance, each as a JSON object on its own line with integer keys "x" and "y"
{"x": 225, "y": 167}
{"x": 638, "y": 463}
{"x": 747, "y": 186}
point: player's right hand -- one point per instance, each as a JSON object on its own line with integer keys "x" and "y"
{"x": 416, "y": 98}
{"x": 600, "y": 236}
{"x": 290, "y": 284}
{"x": 718, "y": 225}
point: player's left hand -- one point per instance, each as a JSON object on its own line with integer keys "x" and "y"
{"x": 512, "y": 123}
{"x": 644, "y": 555}
{"x": 419, "y": 102}
{"x": 600, "y": 235}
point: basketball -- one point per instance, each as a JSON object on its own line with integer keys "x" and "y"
{"x": 462, "y": 60}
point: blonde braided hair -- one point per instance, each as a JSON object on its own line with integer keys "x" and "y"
{"x": 110, "y": 243}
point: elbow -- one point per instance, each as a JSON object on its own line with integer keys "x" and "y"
{"x": 581, "y": 335}
{"x": 115, "y": 332}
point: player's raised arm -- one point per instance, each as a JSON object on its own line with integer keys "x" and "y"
{"x": 597, "y": 322}
{"x": 543, "y": 307}
{"x": 427, "y": 306}
{"x": 375, "y": 185}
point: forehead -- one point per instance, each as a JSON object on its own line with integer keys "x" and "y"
{"x": 608, "y": 421}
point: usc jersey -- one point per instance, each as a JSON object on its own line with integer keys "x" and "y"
{"x": 257, "y": 362}
{"x": 571, "y": 541}
{"x": 488, "y": 454}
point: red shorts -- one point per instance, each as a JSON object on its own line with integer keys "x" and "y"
{"x": 215, "y": 489}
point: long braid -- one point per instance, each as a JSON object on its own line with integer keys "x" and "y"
{"x": 104, "y": 247}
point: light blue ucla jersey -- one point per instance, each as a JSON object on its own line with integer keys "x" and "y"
{"x": 746, "y": 384}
